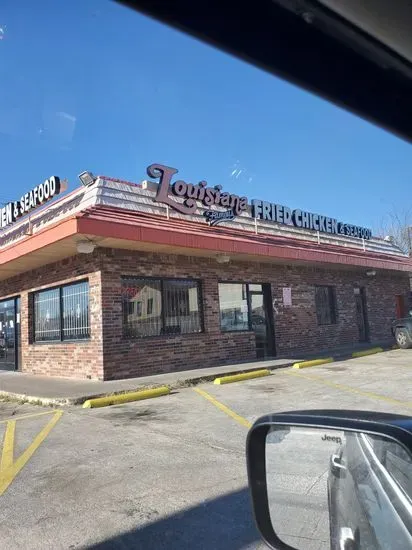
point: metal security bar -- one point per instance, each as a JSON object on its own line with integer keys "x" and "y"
{"x": 181, "y": 307}
{"x": 75, "y": 311}
{"x": 142, "y": 307}
{"x": 62, "y": 313}
{"x": 152, "y": 307}
{"x": 47, "y": 315}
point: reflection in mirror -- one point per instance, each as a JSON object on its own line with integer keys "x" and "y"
{"x": 335, "y": 490}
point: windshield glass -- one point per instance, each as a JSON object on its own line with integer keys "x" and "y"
{"x": 171, "y": 216}
{"x": 95, "y": 86}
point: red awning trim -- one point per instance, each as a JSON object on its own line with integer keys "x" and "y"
{"x": 137, "y": 226}
{"x": 107, "y": 222}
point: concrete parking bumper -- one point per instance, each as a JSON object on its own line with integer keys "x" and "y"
{"x": 325, "y": 360}
{"x": 365, "y": 352}
{"x": 125, "y": 397}
{"x": 243, "y": 376}
{"x": 314, "y": 363}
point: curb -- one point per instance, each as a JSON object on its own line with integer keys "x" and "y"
{"x": 79, "y": 400}
{"x": 211, "y": 377}
{"x": 183, "y": 382}
{"x": 365, "y": 352}
{"x": 179, "y": 383}
{"x": 313, "y": 363}
{"x": 125, "y": 397}
{"x": 240, "y": 377}
{"x": 344, "y": 357}
{"x": 34, "y": 400}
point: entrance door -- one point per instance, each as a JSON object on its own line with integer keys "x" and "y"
{"x": 262, "y": 319}
{"x": 361, "y": 314}
{"x": 9, "y": 334}
{"x": 400, "y": 307}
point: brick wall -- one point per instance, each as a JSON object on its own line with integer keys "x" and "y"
{"x": 125, "y": 357}
{"x": 296, "y": 327}
{"x": 68, "y": 359}
{"x": 109, "y": 355}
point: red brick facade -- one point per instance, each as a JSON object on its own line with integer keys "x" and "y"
{"x": 68, "y": 359}
{"x": 109, "y": 355}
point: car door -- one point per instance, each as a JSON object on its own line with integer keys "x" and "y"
{"x": 368, "y": 500}
{"x": 349, "y": 484}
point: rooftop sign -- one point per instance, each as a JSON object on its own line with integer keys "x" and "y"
{"x": 306, "y": 220}
{"x": 39, "y": 195}
{"x": 235, "y": 205}
{"x": 208, "y": 196}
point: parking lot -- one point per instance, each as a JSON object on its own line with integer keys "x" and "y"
{"x": 168, "y": 472}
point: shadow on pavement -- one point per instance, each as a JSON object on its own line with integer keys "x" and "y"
{"x": 225, "y": 523}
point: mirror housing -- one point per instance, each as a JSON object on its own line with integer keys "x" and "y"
{"x": 398, "y": 428}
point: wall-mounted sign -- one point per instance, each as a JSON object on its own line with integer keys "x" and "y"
{"x": 235, "y": 205}
{"x": 306, "y": 220}
{"x": 29, "y": 201}
{"x": 214, "y": 217}
{"x": 287, "y": 296}
{"x": 208, "y": 196}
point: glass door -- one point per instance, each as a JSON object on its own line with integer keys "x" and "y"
{"x": 361, "y": 314}
{"x": 262, "y": 319}
{"x": 9, "y": 334}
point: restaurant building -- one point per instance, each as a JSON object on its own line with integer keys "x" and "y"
{"x": 116, "y": 279}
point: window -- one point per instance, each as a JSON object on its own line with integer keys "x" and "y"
{"x": 325, "y": 300}
{"x": 393, "y": 460}
{"x": 62, "y": 313}
{"x": 398, "y": 463}
{"x": 167, "y": 306}
{"x": 234, "y": 307}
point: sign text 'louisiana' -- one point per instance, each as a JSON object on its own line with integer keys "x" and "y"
{"x": 235, "y": 205}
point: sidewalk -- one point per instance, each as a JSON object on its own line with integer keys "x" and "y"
{"x": 54, "y": 391}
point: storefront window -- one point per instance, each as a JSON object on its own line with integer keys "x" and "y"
{"x": 160, "y": 306}
{"x": 325, "y": 300}
{"x": 234, "y": 308}
{"x": 62, "y": 313}
{"x": 75, "y": 311}
{"x": 47, "y": 315}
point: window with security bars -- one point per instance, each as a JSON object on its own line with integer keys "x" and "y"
{"x": 62, "y": 313}
{"x": 153, "y": 307}
{"x": 326, "y": 310}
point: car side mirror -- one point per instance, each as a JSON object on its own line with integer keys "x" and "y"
{"x": 322, "y": 480}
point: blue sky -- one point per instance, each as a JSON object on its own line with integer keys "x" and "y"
{"x": 90, "y": 85}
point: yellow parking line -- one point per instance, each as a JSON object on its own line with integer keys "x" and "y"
{"x": 349, "y": 389}
{"x": 224, "y": 408}
{"x": 22, "y": 416}
{"x": 8, "y": 446}
{"x": 10, "y": 468}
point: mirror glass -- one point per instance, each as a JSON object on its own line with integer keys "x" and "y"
{"x": 335, "y": 490}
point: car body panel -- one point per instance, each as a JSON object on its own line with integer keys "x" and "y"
{"x": 366, "y": 497}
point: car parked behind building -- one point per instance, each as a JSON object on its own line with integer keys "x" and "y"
{"x": 402, "y": 331}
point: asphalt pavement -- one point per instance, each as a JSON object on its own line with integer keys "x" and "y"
{"x": 171, "y": 472}
{"x": 297, "y": 469}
